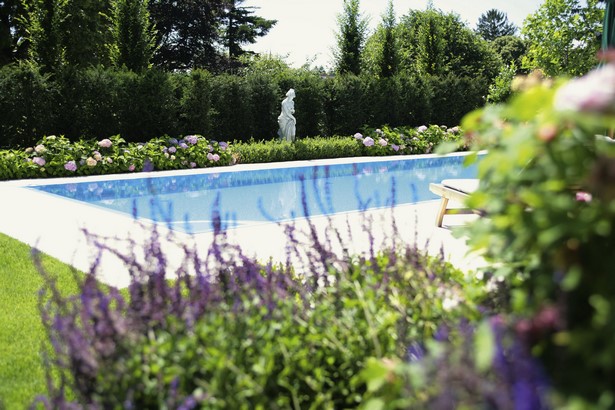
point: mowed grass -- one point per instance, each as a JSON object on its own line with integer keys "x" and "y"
{"x": 22, "y": 376}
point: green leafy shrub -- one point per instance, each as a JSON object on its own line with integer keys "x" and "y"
{"x": 547, "y": 187}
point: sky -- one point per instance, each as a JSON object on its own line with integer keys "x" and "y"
{"x": 305, "y": 32}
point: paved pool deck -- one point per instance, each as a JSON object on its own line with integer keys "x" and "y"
{"x": 57, "y": 226}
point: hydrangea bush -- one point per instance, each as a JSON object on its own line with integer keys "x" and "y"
{"x": 408, "y": 140}
{"x": 56, "y": 156}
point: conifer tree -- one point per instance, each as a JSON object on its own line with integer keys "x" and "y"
{"x": 134, "y": 35}
{"x": 350, "y": 39}
{"x": 493, "y": 24}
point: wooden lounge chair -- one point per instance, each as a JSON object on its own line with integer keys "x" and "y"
{"x": 457, "y": 190}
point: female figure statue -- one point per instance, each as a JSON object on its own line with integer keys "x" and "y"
{"x": 286, "y": 120}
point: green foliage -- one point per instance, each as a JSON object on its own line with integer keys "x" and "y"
{"x": 511, "y": 49}
{"x": 501, "y": 89}
{"x": 494, "y": 24}
{"x": 561, "y": 37}
{"x": 547, "y": 189}
{"x": 133, "y": 34}
{"x": 350, "y": 39}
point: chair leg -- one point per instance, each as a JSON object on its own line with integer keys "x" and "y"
{"x": 440, "y": 217}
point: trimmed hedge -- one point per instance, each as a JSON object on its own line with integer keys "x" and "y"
{"x": 97, "y": 103}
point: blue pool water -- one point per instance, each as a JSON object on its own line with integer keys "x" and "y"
{"x": 186, "y": 202}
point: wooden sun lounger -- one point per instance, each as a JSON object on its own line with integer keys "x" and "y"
{"x": 457, "y": 190}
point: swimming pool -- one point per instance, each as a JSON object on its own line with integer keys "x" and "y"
{"x": 186, "y": 203}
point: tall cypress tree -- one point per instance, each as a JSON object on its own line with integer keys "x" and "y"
{"x": 389, "y": 59}
{"x": 12, "y": 31}
{"x": 43, "y": 18}
{"x": 350, "y": 39}
{"x": 134, "y": 35}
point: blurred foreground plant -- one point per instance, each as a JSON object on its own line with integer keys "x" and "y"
{"x": 548, "y": 188}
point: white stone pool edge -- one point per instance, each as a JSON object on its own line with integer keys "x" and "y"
{"x": 56, "y": 225}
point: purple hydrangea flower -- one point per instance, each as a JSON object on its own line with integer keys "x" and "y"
{"x": 70, "y": 166}
{"x": 172, "y": 150}
{"x": 183, "y": 145}
{"x": 213, "y": 157}
{"x": 395, "y": 147}
{"x": 191, "y": 139}
{"x": 223, "y": 146}
{"x": 193, "y": 165}
{"x": 368, "y": 141}
{"x": 39, "y": 161}
{"x": 383, "y": 142}
{"x": 173, "y": 141}
{"x": 358, "y": 136}
{"x": 422, "y": 128}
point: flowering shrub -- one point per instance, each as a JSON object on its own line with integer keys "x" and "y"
{"x": 56, "y": 156}
{"x": 548, "y": 188}
{"x": 230, "y": 332}
{"x": 405, "y": 141}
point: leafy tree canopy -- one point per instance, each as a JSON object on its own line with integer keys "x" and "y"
{"x": 562, "y": 37}
{"x": 350, "y": 39}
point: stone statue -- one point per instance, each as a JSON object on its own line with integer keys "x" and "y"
{"x": 286, "y": 120}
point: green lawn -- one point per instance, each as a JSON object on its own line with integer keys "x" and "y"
{"x": 22, "y": 376}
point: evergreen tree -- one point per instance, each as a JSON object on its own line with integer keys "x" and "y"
{"x": 134, "y": 35}
{"x": 43, "y": 17}
{"x": 241, "y": 26}
{"x": 85, "y": 32}
{"x": 187, "y": 33}
{"x": 494, "y": 24}
{"x": 350, "y": 39}
{"x": 388, "y": 62}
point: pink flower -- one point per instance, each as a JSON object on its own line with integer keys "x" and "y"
{"x": 172, "y": 150}
{"x": 368, "y": 141}
{"x": 70, "y": 166}
{"x": 39, "y": 161}
{"x": 590, "y": 93}
{"x": 383, "y": 142}
{"x": 106, "y": 143}
{"x": 583, "y": 196}
{"x": 191, "y": 139}
{"x": 131, "y": 167}
{"x": 395, "y": 147}
{"x": 193, "y": 165}
{"x": 213, "y": 157}
{"x": 91, "y": 162}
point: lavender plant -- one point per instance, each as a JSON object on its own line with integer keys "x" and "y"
{"x": 226, "y": 331}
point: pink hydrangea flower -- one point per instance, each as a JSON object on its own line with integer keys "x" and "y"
{"x": 368, "y": 141}
{"x": 193, "y": 165}
{"x": 106, "y": 143}
{"x": 70, "y": 166}
{"x": 91, "y": 162}
{"x": 383, "y": 142}
{"x": 213, "y": 157}
{"x": 589, "y": 93}
{"x": 39, "y": 161}
{"x": 583, "y": 196}
{"x": 131, "y": 167}
{"x": 172, "y": 150}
